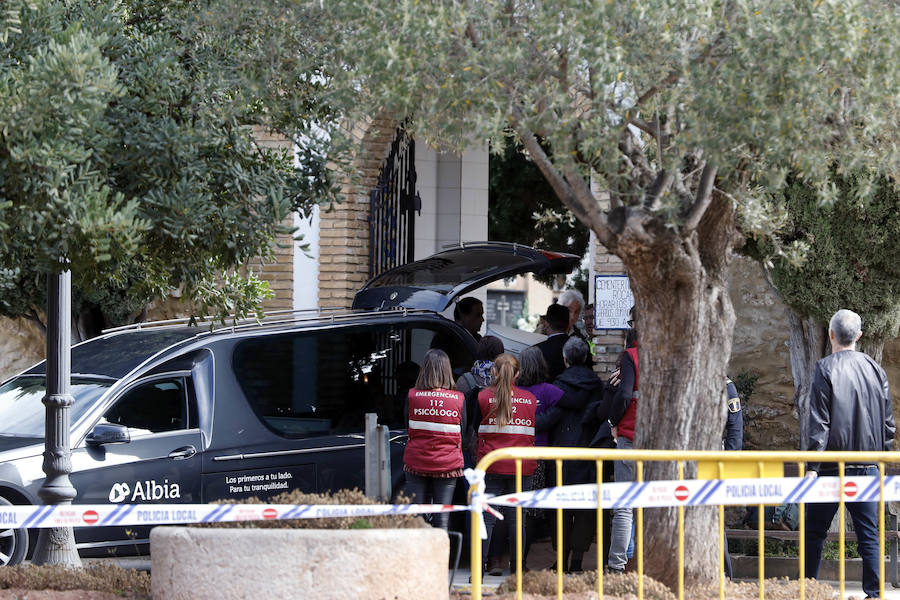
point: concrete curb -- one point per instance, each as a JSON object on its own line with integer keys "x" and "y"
{"x": 325, "y": 564}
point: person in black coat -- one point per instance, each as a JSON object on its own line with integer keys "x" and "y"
{"x": 557, "y": 319}
{"x": 581, "y": 387}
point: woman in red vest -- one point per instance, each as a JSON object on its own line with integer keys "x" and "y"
{"x": 433, "y": 458}
{"x": 505, "y": 417}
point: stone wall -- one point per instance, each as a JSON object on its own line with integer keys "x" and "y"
{"x": 22, "y": 344}
{"x": 760, "y": 347}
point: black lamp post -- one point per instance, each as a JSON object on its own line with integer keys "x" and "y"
{"x": 56, "y": 546}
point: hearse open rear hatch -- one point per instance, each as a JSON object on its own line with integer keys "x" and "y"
{"x": 434, "y": 282}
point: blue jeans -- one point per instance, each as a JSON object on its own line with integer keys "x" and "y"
{"x": 622, "y": 528}
{"x": 498, "y": 485}
{"x": 432, "y": 490}
{"x": 865, "y": 522}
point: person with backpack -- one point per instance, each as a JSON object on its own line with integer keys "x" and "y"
{"x": 533, "y": 378}
{"x": 581, "y": 387}
{"x": 472, "y": 382}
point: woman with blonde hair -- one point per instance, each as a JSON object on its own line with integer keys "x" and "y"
{"x": 506, "y": 418}
{"x": 433, "y": 459}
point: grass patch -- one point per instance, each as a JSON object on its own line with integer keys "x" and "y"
{"x": 542, "y": 584}
{"x": 98, "y": 578}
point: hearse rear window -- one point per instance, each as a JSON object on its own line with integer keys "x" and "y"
{"x": 315, "y": 383}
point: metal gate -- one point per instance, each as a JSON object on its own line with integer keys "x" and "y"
{"x": 392, "y": 207}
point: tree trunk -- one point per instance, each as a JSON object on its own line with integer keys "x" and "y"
{"x": 680, "y": 283}
{"x": 874, "y": 348}
{"x": 809, "y": 343}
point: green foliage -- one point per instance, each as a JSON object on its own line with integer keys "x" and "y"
{"x": 524, "y": 208}
{"x": 625, "y": 91}
{"x": 851, "y": 260}
{"x": 127, "y": 147}
{"x": 745, "y": 382}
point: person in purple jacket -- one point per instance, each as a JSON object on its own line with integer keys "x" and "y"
{"x": 533, "y": 374}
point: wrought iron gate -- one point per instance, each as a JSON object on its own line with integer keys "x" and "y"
{"x": 392, "y": 205}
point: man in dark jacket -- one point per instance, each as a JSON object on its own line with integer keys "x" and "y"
{"x": 581, "y": 387}
{"x": 849, "y": 409}
{"x": 557, "y": 319}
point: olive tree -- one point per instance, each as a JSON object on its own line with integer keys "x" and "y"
{"x": 685, "y": 115}
{"x": 128, "y": 149}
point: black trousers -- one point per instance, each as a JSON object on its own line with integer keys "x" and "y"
{"x": 580, "y": 526}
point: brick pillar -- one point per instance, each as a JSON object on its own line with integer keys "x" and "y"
{"x": 608, "y": 343}
{"x": 279, "y": 273}
{"x": 344, "y": 231}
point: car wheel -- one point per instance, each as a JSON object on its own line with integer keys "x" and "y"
{"x": 13, "y": 542}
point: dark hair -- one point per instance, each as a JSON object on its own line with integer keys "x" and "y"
{"x": 532, "y": 367}
{"x": 630, "y": 337}
{"x": 465, "y": 306}
{"x": 489, "y": 348}
{"x": 557, "y": 317}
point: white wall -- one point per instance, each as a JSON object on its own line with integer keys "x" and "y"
{"x": 306, "y": 264}
{"x": 454, "y": 191}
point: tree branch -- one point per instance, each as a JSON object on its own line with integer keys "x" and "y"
{"x": 702, "y": 198}
{"x": 33, "y": 315}
{"x": 569, "y": 186}
{"x": 658, "y": 189}
{"x": 642, "y": 125}
{"x": 675, "y": 75}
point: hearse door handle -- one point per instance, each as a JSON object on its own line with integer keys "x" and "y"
{"x": 183, "y": 452}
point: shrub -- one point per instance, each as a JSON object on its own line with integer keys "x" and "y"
{"x": 353, "y": 496}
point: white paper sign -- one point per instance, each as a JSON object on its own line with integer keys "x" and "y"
{"x": 612, "y": 301}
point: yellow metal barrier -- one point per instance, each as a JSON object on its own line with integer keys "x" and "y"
{"x": 727, "y": 465}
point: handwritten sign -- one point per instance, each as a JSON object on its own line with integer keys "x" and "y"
{"x": 612, "y": 301}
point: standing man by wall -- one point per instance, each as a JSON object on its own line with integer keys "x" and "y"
{"x": 850, "y": 409}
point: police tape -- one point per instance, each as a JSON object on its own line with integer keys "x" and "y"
{"x": 700, "y": 492}
{"x": 647, "y": 494}
{"x": 108, "y": 515}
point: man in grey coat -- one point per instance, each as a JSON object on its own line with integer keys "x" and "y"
{"x": 849, "y": 409}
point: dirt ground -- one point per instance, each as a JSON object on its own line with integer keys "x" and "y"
{"x": 19, "y": 594}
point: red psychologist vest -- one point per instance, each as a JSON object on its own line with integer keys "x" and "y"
{"x": 626, "y": 425}
{"x": 435, "y": 439}
{"x": 519, "y": 432}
